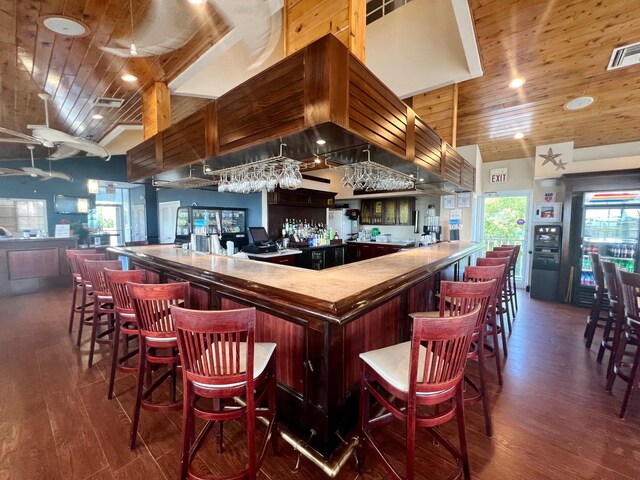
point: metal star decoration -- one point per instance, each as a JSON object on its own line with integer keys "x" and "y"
{"x": 560, "y": 165}
{"x": 551, "y": 157}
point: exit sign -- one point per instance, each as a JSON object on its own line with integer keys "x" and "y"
{"x": 498, "y": 175}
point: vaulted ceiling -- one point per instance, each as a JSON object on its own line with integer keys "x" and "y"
{"x": 561, "y": 48}
{"x": 76, "y": 70}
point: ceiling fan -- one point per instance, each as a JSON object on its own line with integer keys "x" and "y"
{"x": 65, "y": 145}
{"x": 32, "y": 171}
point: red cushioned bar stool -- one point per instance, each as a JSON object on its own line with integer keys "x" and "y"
{"x": 157, "y": 344}
{"x": 87, "y": 290}
{"x": 500, "y": 309}
{"x": 427, "y": 371}
{"x": 489, "y": 329}
{"x": 222, "y": 361}
{"x": 76, "y": 308}
{"x": 629, "y": 284}
{"x": 126, "y": 325}
{"x": 507, "y": 293}
{"x": 512, "y": 273}
{"x": 600, "y": 302}
{"x": 103, "y": 309}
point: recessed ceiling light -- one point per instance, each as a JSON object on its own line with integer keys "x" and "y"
{"x": 97, "y": 116}
{"x": 579, "y": 103}
{"x": 197, "y": 2}
{"x": 518, "y": 135}
{"x": 64, "y": 25}
{"x": 321, "y": 141}
{"x": 317, "y": 160}
{"x": 129, "y": 78}
{"x": 517, "y": 82}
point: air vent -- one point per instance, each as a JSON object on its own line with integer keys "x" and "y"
{"x": 108, "y": 102}
{"x": 624, "y": 56}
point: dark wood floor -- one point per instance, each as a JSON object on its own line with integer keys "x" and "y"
{"x": 552, "y": 418}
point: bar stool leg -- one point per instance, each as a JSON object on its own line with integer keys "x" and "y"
{"x": 74, "y": 307}
{"x": 483, "y": 388}
{"x": 83, "y": 311}
{"x": 464, "y": 455}
{"x": 188, "y": 430}
{"x": 114, "y": 356}
{"x": 142, "y": 363}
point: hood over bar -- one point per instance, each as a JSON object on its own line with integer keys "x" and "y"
{"x": 320, "y": 92}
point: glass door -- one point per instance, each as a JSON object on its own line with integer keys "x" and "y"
{"x": 504, "y": 220}
{"x": 110, "y": 221}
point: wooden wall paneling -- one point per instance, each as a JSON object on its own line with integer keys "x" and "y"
{"x": 289, "y": 337}
{"x": 156, "y": 109}
{"x": 452, "y": 165}
{"x": 428, "y": 147}
{"x": 468, "y": 177}
{"x": 143, "y": 160}
{"x": 375, "y": 112}
{"x": 266, "y": 107}
{"x": 325, "y": 82}
{"x": 376, "y": 329}
{"x": 439, "y": 109}
{"x": 185, "y": 142}
{"x": 211, "y": 128}
{"x": 199, "y": 295}
{"x": 308, "y": 20}
{"x": 182, "y": 106}
{"x": 24, "y": 264}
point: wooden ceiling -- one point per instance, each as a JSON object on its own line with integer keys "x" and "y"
{"x": 561, "y": 48}
{"x": 74, "y": 71}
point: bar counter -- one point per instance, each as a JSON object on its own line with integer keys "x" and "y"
{"x": 320, "y": 320}
{"x": 30, "y": 265}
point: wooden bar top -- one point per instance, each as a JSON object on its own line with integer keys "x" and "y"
{"x": 335, "y": 294}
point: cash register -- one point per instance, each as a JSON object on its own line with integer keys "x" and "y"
{"x": 261, "y": 242}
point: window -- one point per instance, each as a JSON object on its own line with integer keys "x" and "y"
{"x": 379, "y": 8}
{"x": 19, "y": 214}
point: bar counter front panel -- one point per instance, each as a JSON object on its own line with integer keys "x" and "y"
{"x": 30, "y": 265}
{"x": 320, "y": 320}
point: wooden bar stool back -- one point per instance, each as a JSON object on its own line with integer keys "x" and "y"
{"x": 103, "y": 311}
{"x": 600, "y": 301}
{"x": 629, "y": 292}
{"x": 507, "y": 292}
{"x": 77, "y": 281}
{"x": 427, "y": 371}
{"x": 480, "y": 351}
{"x": 512, "y": 272}
{"x": 221, "y": 361}
{"x": 126, "y": 326}
{"x": 157, "y": 344}
{"x": 613, "y": 326}
{"x": 87, "y": 290}
{"x": 500, "y": 305}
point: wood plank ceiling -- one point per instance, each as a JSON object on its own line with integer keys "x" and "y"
{"x": 74, "y": 71}
{"x": 561, "y": 48}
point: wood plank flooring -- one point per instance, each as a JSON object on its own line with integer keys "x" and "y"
{"x": 552, "y": 418}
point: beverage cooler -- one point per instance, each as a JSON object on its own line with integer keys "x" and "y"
{"x": 610, "y": 227}
{"x": 229, "y": 223}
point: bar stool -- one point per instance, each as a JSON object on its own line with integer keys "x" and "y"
{"x": 500, "y": 309}
{"x": 482, "y": 352}
{"x": 512, "y": 272}
{"x": 77, "y": 281}
{"x": 102, "y": 303}
{"x": 427, "y": 371}
{"x": 157, "y": 343}
{"x": 507, "y": 293}
{"x": 220, "y": 361}
{"x": 629, "y": 284}
{"x": 613, "y": 325}
{"x": 600, "y": 301}
{"x": 87, "y": 289}
{"x": 126, "y": 325}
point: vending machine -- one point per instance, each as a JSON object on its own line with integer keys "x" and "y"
{"x": 610, "y": 227}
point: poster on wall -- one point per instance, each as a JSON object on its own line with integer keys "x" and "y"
{"x": 455, "y": 219}
{"x": 548, "y": 212}
{"x": 449, "y": 201}
{"x": 464, "y": 200}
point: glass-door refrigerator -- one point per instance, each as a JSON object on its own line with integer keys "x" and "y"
{"x": 229, "y": 223}
{"x": 610, "y": 227}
